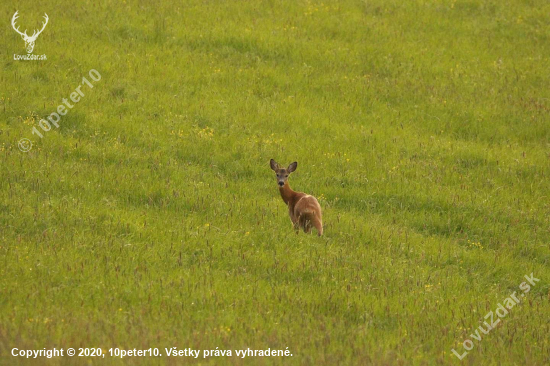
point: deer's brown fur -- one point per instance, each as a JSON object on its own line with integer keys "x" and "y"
{"x": 304, "y": 210}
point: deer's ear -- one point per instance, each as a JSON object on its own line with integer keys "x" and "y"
{"x": 292, "y": 167}
{"x": 274, "y": 165}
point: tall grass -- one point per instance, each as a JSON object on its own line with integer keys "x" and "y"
{"x": 150, "y": 218}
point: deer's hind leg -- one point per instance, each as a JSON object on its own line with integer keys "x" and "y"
{"x": 296, "y": 227}
{"x": 318, "y": 223}
{"x": 295, "y": 221}
{"x": 305, "y": 223}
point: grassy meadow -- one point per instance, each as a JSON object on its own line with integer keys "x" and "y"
{"x": 151, "y": 218}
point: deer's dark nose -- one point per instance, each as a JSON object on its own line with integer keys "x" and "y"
{"x": 281, "y": 184}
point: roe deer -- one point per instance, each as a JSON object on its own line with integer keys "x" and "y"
{"x": 304, "y": 210}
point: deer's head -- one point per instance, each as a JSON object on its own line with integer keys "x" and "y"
{"x": 29, "y": 40}
{"x": 282, "y": 173}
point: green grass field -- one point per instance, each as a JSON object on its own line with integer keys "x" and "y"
{"x": 151, "y": 218}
